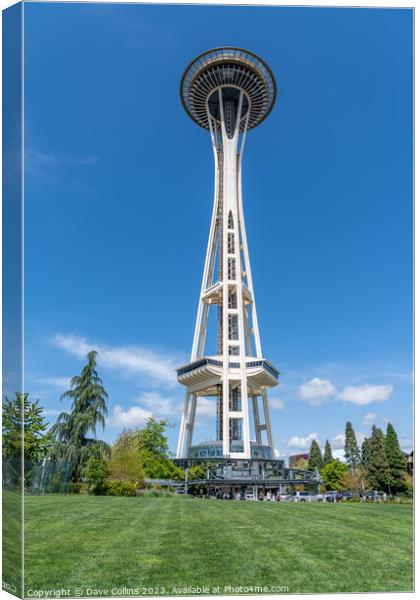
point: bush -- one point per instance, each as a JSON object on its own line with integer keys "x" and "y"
{"x": 74, "y": 487}
{"x": 117, "y": 487}
{"x": 125, "y": 462}
{"x": 96, "y": 473}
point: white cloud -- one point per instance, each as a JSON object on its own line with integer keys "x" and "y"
{"x": 369, "y": 418}
{"x": 301, "y": 443}
{"x": 338, "y": 453}
{"x": 58, "y": 382}
{"x": 132, "y": 417}
{"x": 406, "y": 444}
{"x": 278, "y": 454}
{"x": 206, "y": 407}
{"x": 276, "y": 403}
{"x": 46, "y": 163}
{"x": 163, "y": 405}
{"x": 129, "y": 360}
{"x": 366, "y": 394}
{"x": 338, "y": 441}
{"x": 317, "y": 390}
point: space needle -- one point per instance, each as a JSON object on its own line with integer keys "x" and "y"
{"x": 228, "y": 91}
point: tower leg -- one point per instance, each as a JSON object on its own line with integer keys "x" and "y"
{"x": 184, "y": 420}
{"x": 225, "y": 432}
{"x": 257, "y": 423}
{"x": 245, "y": 418}
{"x": 187, "y": 424}
{"x": 190, "y": 426}
{"x": 267, "y": 419}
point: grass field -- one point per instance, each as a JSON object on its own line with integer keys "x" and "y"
{"x": 108, "y": 542}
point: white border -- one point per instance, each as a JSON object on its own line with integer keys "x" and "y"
{"x": 320, "y": 3}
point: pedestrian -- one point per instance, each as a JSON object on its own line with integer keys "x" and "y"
{"x": 384, "y": 497}
{"x": 375, "y": 496}
{"x": 268, "y": 497}
{"x": 238, "y": 495}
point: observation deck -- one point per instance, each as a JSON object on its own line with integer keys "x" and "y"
{"x": 258, "y": 370}
{"x": 233, "y": 69}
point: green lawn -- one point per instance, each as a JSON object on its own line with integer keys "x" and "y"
{"x": 107, "y": 542}
{"x": 12, "y": 541}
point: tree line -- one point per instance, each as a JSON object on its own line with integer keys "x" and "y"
{"x": 73, "y": 442}
{"x": 379, "y": 464}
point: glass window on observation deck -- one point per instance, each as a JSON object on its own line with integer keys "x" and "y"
{"x": 234, "y": 350}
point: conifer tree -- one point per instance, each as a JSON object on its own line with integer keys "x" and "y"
{"x": 351, "y": 449}
{"x": 396, "y": 460}
{"x": 75, "y": 431}
{"x": 378, "y": 474}
{"x": 315, "y": 457}
{"x": 366, "y": 451}
{"x": 328, "y": 457}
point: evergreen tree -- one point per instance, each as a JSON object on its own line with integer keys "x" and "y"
{"x": 366, "y": 452}
{"x": 378, "y": 474}
{"x": 75, "y": 431}
{"x": 351, "y": 449}
{"x": 396, "y": 460}
{"x": 315, "y": 457}
{"x": 24, "y": 424}
{"x": 328, "y": 457}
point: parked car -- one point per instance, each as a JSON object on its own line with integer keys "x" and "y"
{"x": 333, "y": 496}
{"x": 302, "y": 497}
{"x": 284, "y": 497}
{"x": 348, "y": 495}
{"x": 373, "y": 495}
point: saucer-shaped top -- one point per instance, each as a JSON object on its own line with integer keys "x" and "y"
{"x": 228, "y": 67}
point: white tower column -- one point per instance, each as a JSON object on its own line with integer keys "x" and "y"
{"x": 228, "y": 91}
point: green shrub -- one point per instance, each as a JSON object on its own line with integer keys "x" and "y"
{"x": 74, "y": 487}
{"x": 96, "y": 472}
{"x": 117, "y": 487}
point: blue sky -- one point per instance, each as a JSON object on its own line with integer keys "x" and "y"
{"x": 118, "y": 184}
